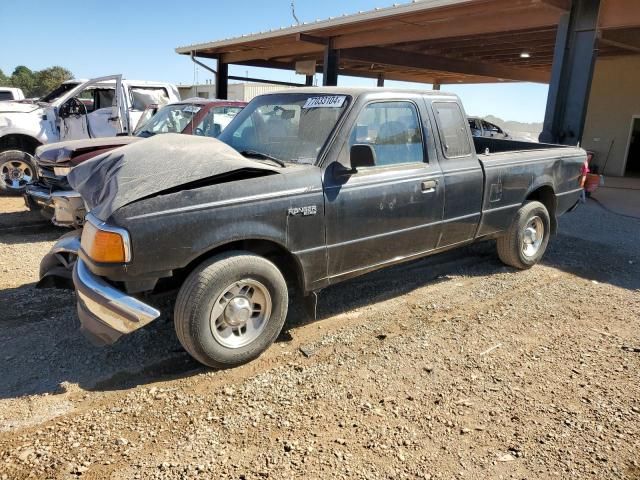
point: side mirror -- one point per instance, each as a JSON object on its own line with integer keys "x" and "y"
{"x": 362, "y": 155}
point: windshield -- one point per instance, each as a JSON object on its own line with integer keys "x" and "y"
{"x": 170, "y": 119}
{"x": 291, "y": 126}
{"x": 58, "y": 92}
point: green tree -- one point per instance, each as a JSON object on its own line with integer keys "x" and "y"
{"x": 4, "y": 81}
{"x": 48, "y": 79}
{"x": 22, "y": 77}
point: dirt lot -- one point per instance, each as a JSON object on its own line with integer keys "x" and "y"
{"x": 453, "y": 367}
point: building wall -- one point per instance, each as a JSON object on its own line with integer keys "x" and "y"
{"x": 614, "y": 100}
{"x": 237, "y": 91}
{"x": 247, "y": 91}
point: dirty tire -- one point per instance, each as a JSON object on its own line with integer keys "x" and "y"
{"x": 17, "y": 169}
{"x": 511, "y": 245}
{"x": 204, "y": 287}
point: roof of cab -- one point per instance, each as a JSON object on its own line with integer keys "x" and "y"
{"x": 212, "y": 101}
{"x": 357, "y": 91}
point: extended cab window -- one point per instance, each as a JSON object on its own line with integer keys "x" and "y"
{"x": 453, "y": 134}
{"x": 393, "y": 130}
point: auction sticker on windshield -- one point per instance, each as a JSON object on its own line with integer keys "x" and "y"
{"x": 192, "y": 109}
{"x": 326, "y": 101}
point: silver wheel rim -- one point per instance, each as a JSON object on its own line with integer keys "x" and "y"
{"x": 15, "y": 174}
{"x": 532, "y": 236}
{"x": 240, "y": 313}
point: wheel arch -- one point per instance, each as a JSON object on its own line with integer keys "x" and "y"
{"x": 19, "y": 141}
{"x": 273, "y": 251}
{"x": 546, "y": 195}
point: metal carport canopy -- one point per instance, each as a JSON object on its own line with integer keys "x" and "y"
{"x": 429, "y": 41}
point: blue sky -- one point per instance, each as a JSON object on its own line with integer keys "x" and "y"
{"x": 137, "y": 38}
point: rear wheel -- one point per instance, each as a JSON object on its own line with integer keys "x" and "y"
{"x": 526, "y": 240}
{"x": 17, "y": 170}
{"x": 231, "y": 309}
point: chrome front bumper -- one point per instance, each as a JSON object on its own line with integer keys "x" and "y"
{"x": 68, "y": 205}
{"x": 105, "y": 312}
{"x": 36, "y": 196}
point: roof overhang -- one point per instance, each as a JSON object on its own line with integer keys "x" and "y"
{"x": 428, "y": 41}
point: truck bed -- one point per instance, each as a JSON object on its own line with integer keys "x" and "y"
{"x": 498, "y": 145}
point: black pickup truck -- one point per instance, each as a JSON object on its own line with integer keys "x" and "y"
{"x": 303, "y": 189}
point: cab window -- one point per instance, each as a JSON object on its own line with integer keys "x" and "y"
{"x": 453, "y": 133}
{"x": 393, "y": 130}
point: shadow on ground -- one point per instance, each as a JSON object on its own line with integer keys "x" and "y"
{"x": 43, "y": 349}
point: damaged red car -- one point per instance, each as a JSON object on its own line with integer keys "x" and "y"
{"x": 52, "y": 194}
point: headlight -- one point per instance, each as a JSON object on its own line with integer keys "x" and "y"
{"x": 61, "y": 171}
{"x": 103, "y": 243}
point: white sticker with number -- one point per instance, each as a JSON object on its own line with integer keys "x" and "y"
{"x": 326, "y": 101}
{"x": 192, "y": 109}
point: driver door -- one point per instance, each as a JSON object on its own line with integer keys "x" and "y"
{"x": 103, "y": 121}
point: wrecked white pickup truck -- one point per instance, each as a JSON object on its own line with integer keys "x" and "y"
{"x": 101, "y": 107}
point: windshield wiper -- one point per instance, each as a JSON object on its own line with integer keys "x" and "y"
{"x": 263, "y": 156}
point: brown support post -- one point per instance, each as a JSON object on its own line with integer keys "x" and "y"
{"x": 435, "y": 86}
{"x": 222, "y": 81}
{"x": 381, "y": 80}
{"x": 330, "y": 66}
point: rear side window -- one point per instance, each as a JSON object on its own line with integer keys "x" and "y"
{"x": 141, "y": 97}
{"x": 6, "y": 96}
{"x": 453, "y": 134}
{"x": 393, "y": 130}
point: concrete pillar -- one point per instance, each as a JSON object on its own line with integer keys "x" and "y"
{"x": 571, "y": 74}
{"x": 222, "y": 81}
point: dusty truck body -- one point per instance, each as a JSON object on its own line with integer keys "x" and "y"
{"x": 52, "y": 194}
{"x": 77, "y": 109}
{"x": 315, "y": 186}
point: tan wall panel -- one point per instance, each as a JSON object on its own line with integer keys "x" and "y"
{"x": 614, "y": 99}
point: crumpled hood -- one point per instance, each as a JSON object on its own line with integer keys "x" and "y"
{"x": 152, "y": 166}
{"x": 18, "y": 107}
{"x": 63, "y": 152}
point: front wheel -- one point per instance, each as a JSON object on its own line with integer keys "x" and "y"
{"x": 16, "y": 171}
{"x": 526, "y": 240}
{"x": 231, "y": 309}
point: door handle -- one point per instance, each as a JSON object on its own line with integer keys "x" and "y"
{"x": 429, "y": 186}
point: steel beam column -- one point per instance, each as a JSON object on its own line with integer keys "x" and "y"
{"x": 222, "y": 80}
{"x": 571, "y": 74}
{"x": 381, "y": 80}
{"x": 309, "y": 81}
{"x": 330, "y": 66}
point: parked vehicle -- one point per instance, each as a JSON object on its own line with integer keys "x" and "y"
{"x": 481, "y": 128}
{"x": 51, "y": 192}
{"x": 10, "y": 93}
{"x": 102, "y": 107}
{"x": 315, "y": 186}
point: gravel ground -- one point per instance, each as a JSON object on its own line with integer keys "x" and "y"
{"x": 450, "y": 367}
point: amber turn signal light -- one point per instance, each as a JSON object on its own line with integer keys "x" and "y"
{"x": 104, "y": 246}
